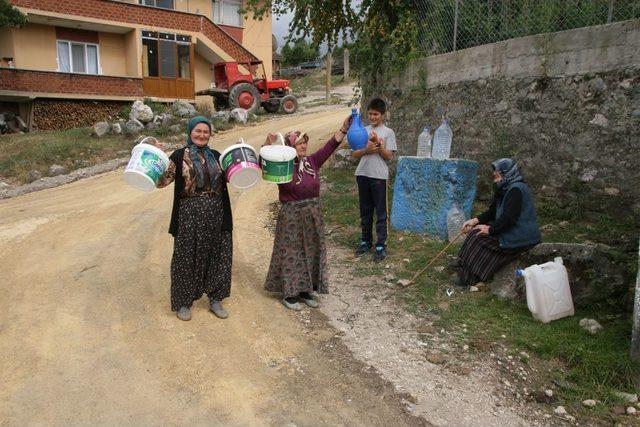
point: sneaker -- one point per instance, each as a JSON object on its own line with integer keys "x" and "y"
{"x": 184, "y": 313}
{"x": 363, "y": 249}
{"x": 308, "y": 299}
{"x": 292, "y": 304}
{"x": 380, "y": 255}
{"x": 218, "y": 310}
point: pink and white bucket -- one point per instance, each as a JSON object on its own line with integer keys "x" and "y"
{"x": 240, "y": 163}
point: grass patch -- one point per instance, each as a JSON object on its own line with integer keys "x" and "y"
{"x": 593, "y": 366}
{"x": 315, "y": 80}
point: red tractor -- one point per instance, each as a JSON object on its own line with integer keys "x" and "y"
{"x": 244, "y": 85}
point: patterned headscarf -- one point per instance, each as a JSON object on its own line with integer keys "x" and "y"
{"x": 292, "y": 139}
{"x": 209, "y": 159}
{"x": 508, "y": 168}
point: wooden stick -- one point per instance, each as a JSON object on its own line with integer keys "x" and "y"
{"x": 434, "y": 259}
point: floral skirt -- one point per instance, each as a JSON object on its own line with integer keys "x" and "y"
{"x": 202, "y": 253}
{"x": 299, "y": 258}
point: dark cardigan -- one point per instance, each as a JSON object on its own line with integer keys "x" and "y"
{"x": 177, "y": 157}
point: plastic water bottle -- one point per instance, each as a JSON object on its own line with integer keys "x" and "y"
{"x": 424, "y": 143}
{"x": 455, "y": 219}
{"x": 442, "y": 138}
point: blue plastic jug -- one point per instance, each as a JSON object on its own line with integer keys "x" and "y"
{"x": 357, "y": 135}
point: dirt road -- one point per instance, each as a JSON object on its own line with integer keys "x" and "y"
{"x": 87, "y": 336}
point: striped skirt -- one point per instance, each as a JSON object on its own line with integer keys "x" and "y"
{"x": 481, "y": 256}
{"x": 299, "y": 258}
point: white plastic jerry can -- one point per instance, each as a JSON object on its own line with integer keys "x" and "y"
{"x": 548, "y": 291}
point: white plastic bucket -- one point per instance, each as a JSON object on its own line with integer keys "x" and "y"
{"x": 241, "y": 166}
{"x": 548, "y": 291}
{"x": 146, "y": 166}
{"x": 277, "y": 162}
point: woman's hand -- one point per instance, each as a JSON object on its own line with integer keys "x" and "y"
{"x": 346, "y": 124}
{"x": 468, "y": 225}
{"x": 271, "y": 138}
{"x": 482, "y": 229}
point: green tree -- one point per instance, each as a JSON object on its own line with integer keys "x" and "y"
{"x": 298, "y": 52}
{"x": 10, "y": 16}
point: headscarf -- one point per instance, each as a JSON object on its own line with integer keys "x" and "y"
{"x": 292, "y": 139}
{"x": 209, "y": 159}
{"x": 508, "y": 168}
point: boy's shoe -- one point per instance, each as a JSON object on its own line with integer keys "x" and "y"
{"x": 308, "y": 299}
{"x": 380, "y": 255}
{"x": 292, "y": 304}
{"x": 184, "y": 313}
{"x": 363, "y": 249}
{"x": 218, "y": 310}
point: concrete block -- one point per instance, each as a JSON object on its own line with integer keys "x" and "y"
{"x": 425, "y": 189}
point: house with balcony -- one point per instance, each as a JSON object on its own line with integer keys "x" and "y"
{"x": 106, "y": 53}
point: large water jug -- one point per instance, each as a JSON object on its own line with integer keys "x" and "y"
{"x": 442, "y": 138}
{"x": 548, "y": 291}
{"x": 455, "y": 219}
{"x": 424, "y": 143}
{"x": 357, "y": 135}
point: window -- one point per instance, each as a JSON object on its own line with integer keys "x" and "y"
{"x": 76, "y": 57}
{"x": 166, "y": 55}
{"x": 165, "y": 4}
{"x": 227, "y": 12}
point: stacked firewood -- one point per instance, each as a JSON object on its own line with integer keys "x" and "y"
{"x": 61, "y": 114}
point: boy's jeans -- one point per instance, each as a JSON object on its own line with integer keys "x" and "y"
{"x": 372, "y": 194}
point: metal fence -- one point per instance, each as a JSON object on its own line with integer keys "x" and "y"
{"x": 450, "y": 25}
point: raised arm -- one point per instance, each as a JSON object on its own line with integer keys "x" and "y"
{"x": 331, "y": 145}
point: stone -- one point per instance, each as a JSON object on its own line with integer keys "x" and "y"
{"x": 426, "y": 188}
{"x": 631, "y": 410}
{"x": 590, "y": 325}
{"x": 33, "y": 175}
{"x": 600, "y": 120}
{"x": 176, "y": 129}
{"x": 55, "y": 170}
{"x": 100, "y": 129}
{"x": 502, "y": 106}
{"x": 239, "y": 115}
{"x": 598, "y": 85}
{"x": 611, "y": 191}
{"x": 223, "y": 116}
{"x": 141, "y": 112}
{"x": 626, "y": 84}
{"x": 133, "y": 127}
{"x": 590, "y": 403}
{"x": 579, "y": 259}
{"x": 4, "y": 184}
{"x": 435, "y": 358}
{"x": 116, "y": 129}
{"x": 152, "y": 126}
{"x": 588, "y": 175}
{"x": 167, "y": 119}
{"x": 183, "y": 108}
{"x": 473, "y": 289}
{"x": 404, "y": 282}
{"x": 560, "y": 411}
{"x": 627, "y": 397}
{"x": 390, "y": 277}
{"x": 548, "y": 393}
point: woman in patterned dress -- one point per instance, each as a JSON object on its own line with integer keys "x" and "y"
{"x": 298, "y": 261}
{"x": 200, "y": 224}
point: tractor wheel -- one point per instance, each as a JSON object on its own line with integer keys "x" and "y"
{"x": 289, "y": 104}
{"x": 245, "y": 96}
{"x": 271, "y": 107}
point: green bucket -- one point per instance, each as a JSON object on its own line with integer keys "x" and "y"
{"x": 277, "y": 162}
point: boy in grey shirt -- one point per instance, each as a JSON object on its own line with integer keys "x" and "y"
{"x": 372, "y": 174}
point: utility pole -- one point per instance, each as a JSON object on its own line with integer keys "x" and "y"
{"x": 328, "y": 91}
{"x": 345, "y": 61}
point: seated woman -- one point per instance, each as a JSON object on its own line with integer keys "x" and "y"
{"x": 503, "y": 232}
{"x": 299, "y": 259}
